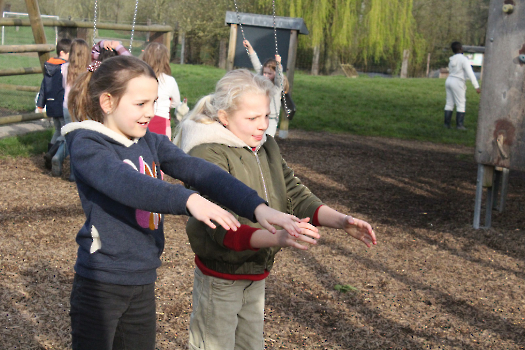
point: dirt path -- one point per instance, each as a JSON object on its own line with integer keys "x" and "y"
{"x": 433, "y": 282}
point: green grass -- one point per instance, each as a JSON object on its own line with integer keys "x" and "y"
{"x": 409, "y": 109}
{"x": 25, "y": 145}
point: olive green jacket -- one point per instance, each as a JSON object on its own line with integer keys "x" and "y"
{"x": 263, "y": 170}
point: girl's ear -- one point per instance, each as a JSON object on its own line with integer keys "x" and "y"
{"x": 106, "y": 102}
{"x": 223, "y": 117}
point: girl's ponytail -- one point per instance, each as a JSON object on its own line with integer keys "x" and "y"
{"x": 78, "y": 102}
{"x": 203, "y": 112}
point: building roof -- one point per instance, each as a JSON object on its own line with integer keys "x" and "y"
{"x": 256, "y": 20}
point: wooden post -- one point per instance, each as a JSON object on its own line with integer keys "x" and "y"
{"x": 404, "y": 66}
{"x": 38, "y": 28}
{"x": 428, "y": 64}
{"x": 222, "y": 53}
{"x": 182, "y": 44}
{"x": 292, "y": 53}
{"x": 315, "y": 60}
{"x": 231, "y": 47}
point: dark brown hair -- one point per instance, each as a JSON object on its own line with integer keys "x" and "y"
{"x": 63, "y": 45}
{"x": 111, "y": 77}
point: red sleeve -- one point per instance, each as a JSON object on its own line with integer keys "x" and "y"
{"x": 239, "y": 240}
{"x": 315, "y": 219}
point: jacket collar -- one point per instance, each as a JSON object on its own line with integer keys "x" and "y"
{"x": 100, "y": 128}
{"x": 194, "y": 134}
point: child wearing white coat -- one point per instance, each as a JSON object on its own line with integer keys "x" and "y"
{"x": 459, "y": 69}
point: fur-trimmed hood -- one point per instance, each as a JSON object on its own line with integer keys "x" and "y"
{"x": 100, "y": 128}
{"x": 194, "y": 133}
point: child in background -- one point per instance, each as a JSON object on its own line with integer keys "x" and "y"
{"x": 79, "y": 59}
{"x": 118, "y": 167}
{"x": 273, "y": 70}
{"x": 228, "y": 128}
{"x": 158, "y": 57}
{"x": 459, "y": 69}
{"x": 108, "y": 48}
{"x": 51, "y": 95}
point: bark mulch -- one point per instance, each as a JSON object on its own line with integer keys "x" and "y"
{"x": 432, "y": 282}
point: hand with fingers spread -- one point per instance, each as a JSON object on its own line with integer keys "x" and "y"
{"x": 360, "y": 230}
{"x": 205, "y": 211}
{"x": 263, "y": 238}
{"x": 267, "y": 217}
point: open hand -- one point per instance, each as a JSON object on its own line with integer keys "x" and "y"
{"x": 205, "y": 211}
{"x": 360, "y": 230}
{"x": 267, "y": 217}
{"x": 309, "y": 234}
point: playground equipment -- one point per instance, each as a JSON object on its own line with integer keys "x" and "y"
{"x": 68, "y": 29}
{"x": 500, "y": 139}
{"x": 266, "y": 33}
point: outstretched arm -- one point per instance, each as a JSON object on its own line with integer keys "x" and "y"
{"x": 308, "y": 234}
{"x": 359, "y": 229}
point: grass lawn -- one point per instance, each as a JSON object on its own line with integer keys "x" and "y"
{"x": 387, "y": 107}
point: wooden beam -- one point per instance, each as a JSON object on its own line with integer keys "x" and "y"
{"x": 38, "y": 29}
{"x": 27, "y": 48}
{"x": 19, "y": 88}
{"x": 10, "y": 119}
{"x": 24, "y": 22}
{"x": 231, "y": 47}
{"x": 20, "y": 71}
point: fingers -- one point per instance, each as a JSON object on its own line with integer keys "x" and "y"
{"x": 266, "y": 225}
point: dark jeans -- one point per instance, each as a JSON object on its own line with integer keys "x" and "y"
{"x": 109, "y": 316}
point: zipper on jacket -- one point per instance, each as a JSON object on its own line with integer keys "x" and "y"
{"x": 262, "y": 176}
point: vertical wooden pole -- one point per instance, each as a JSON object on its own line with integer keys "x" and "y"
{"x": 292, "y": 53}
{"x": 428, "y": 64}
{"x": 182, "y": 44}
{"x": 404, "y": 66}
{"x": 315, "y": 60}
{"x": 167, "y": 40}
{"x": 38, "y": 29}
{"x": 222, "y": 53}
{"x": 231, "y": 47}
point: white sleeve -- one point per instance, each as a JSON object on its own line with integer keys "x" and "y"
{"x": 468, "y": 69}
{"x": 256, "y": 63}
{"x": 175, "y": 95}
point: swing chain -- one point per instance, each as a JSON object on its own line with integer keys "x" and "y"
{"x": 283, "y": 98}
{"x": 240, "y": 25}
{"x": 133, "y": 26}
{"x": 95, "y": 22}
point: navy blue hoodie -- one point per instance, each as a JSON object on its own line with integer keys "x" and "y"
{"x": 51, "y": 93}
{"x": 124, "y": 199}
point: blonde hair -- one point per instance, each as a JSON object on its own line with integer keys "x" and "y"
{"x": 227, "y": 96}
{"x": 111, "y": 77}
{"x": 158, "y": 57}
{"x": 79, "y": 59}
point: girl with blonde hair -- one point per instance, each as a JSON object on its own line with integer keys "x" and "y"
{"x": 228, "y": 128}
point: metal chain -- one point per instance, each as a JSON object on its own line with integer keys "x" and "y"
{"x": 240, "y": 25}
{"x": 283, "y": 97}
{"x": 133, "y": 25}
{"x": 95, "y": 22}
{"x": 286, "y": 110}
